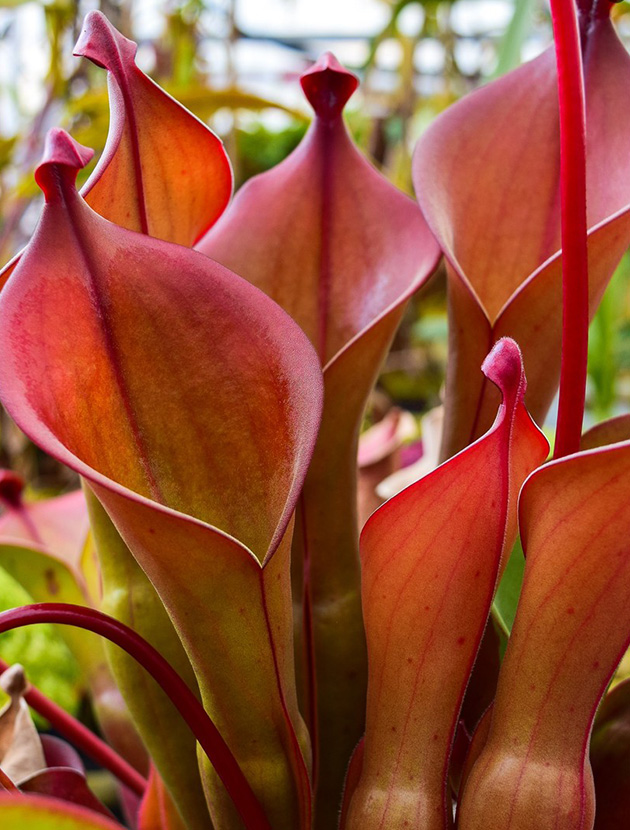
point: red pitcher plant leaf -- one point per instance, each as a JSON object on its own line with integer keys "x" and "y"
{"x": 42, "y": 812}
{"x": 127, "y": 329}
{"x": 497, "y": 216}
{"x": 341, "y": 250}
{"x": 131, "y": 598}
{"x": 570, "y": 631}
{"x": 162, "y": 172}
{"x": 57, "y": 528}
{"x": 46, "y": 546}
{"x": 157, "y": 811}
{"x": 431, "y": 556}
{"x": 611, "y": 431}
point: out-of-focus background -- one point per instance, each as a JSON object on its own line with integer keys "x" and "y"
{"x": 235, "y": 64}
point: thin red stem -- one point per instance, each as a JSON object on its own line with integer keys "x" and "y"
{"x": 574, "y": 226}
{"x": 84, "y": 739}
{"x": 191, "y": 710}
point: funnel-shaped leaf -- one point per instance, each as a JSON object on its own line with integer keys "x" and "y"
{"x": 341, "y": 250}
{"x": 571, "y": 628}
{"x": 163, "y": 172}
{"x": 431, "y": 556}
{"x": 129, "y": 596}
{"x": 487, "y": 177}
{"x": 156, "y": 374}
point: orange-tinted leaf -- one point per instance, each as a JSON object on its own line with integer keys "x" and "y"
{"x": 431, "y": 556}
{"x": 570, "y": 631}
{"x": 487, "y": 178}
{"x": 120, "y": 340}
{"x": 607, "y": 432}
{"x": 157, "y": 811}
{"x": 341, "y": 250}
{"x": 162, "y": 172}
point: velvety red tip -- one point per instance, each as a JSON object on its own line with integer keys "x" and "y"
{"x": 103, "y": 44}
{"x": 62, "y": 160}
{"x": 11, "y": 488}
{"x": 328, "y": 86}
{"x": 504, "y": 367}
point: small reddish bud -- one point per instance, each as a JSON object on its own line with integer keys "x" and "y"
{"x": 328, "y": 86}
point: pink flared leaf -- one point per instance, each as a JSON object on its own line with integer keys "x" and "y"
{"x": 497, "y": 215}
{"x": 107, "y": 335}
{"x": 163, "y": 172}
{"x": 66, "y": 784}
{"x": 55, "y": 533}
{"x": 431, "y": 556}
{"x": 340, "y": 249}
{"x": 570, "y": 631}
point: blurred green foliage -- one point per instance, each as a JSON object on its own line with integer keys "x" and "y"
{"x": 48, "y": 663}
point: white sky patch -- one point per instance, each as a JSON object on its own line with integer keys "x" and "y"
{"x": 411, "y": 20}
{"x": 477, "y": 17}
{"x": 429, "y": 57}
{"x": 389, "y": 54}
{"x": 304, "y": 17}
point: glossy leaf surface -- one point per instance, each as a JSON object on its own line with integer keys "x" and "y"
{"x": 154, "y": 327}
{"x": 162, "y": 172}
{"x": 431, "y": 556}
{"x": 130, "y": 597}
{"x": 157, "y": 811}
{"x": 570, "y": 631}
{"x": 497, "y": 216}
{"x": 341, "y": 250}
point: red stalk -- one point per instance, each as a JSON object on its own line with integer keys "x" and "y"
{"x": 84, "y": 739}
{"x": 183, "y": 699}
{"x": 574, "y": 226}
